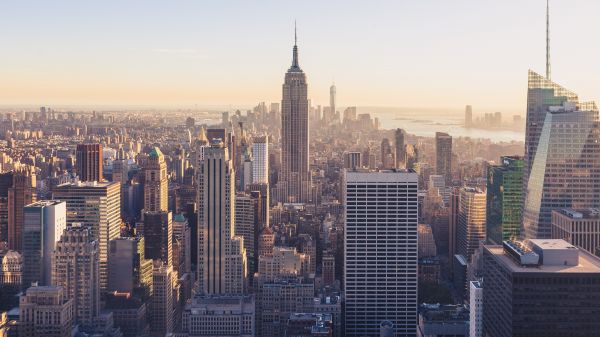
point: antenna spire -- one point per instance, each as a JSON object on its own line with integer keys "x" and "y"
{"x": 548, "y": 39}
{"x": 295, "y": 35}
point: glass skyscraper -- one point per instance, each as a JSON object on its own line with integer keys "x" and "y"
{"x": 504, "y": 200}
{"x": 562, "y": 154}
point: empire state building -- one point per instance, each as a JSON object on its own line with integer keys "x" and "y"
{"x": 294, "y": 182}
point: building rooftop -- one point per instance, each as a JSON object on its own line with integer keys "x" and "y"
{"x": 587, "y": 262}
{"x": 588, "y": 213}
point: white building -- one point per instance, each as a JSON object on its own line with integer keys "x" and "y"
{"x": 476, "y": 309}
{"x": 260, "y": 160}
{"x": 380, "y": 234}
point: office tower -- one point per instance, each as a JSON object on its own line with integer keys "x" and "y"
{"x": 225, "y": 118}
{"x": 157, "y": 230}
{"x": 264, "y": 211}
{"x": 443, "y": 156}
{"x": 44, "y": 222}
{"x": 387, "y": 157}
{"x": 6, "y": 181}
{"x": 561, "y": 168}
{"x": 528, "y": 287}
{"x": 443, "y": 320}
{"x": 260, "y": 160}
{"x": 399, "y": 149}
{"x": 278, "y": 300}
{"x": 156, "y": 184}
{"x": 222, "y": 264}
{"x": 389, "y": 242}
{"x": 161, "y": 308}
{"x": 248, "y": 225}
{"x": 130, "y": 313}
{"x": 128, "y": 267}
{"x": 45, "y": 311}
{"x": 308, "y": 246}
{"x": 427, "y": 247}
{"x": 220, "y": 315}
{"x": 266, "y": 242}
{"x": 504, "y": 200}
{"x": 332, "y": 99}
{"x": 468, "y": 116}
{"x": 283, "y": 262}
{"x": 21, "y": 194}
{"x": 97, "y": 206}
{"x": 349, "y": 114}
{"x": 579, "y": 227}
{"x": 471, "y": 221}
{"x": 352, "y": 160}
{"x": 476, "y": 309}
{"x": 182, "y": 255}
{"x": 76, "y": 270}
{"x": 89, "y": 162}
{"x": 295, "y": 176}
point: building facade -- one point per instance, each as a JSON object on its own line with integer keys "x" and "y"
{"x": 504, "y": 200}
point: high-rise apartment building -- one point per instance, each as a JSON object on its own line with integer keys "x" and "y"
{"x": 295, "y": 180}
{"x": 540, "y": 289}
{"x": 89, "y": 162}
{"x": 380, "y": 234}
{"x": 222, "y": 264}
{"x": 156, "y": 183}
{"x": 43, "y": 224}
{"x": 76, "y": 269}
{"x": 260, "y": 160}
{"x": 562, "y": 147}
{"x": 97, "y": 206}
{"x": 504, "y": 200}
{"x": 20, "y": 194}
{"x": 471, "y": 221}
{"x": 443, "y": 156}
{"x": 128, "y": 267}
{"x": 45, "y": 311}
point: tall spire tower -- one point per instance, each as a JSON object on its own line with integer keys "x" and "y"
{"x": 294, "y": 183}
{"x": 548, "y": 39}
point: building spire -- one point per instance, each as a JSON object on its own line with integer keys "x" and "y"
{"x": 548, "y": 39}
{"x": 295, "y": 55}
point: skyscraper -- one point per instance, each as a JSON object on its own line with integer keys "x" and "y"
{"x": 399, "y": 149}
{"x": 471, "y": 221}
{"x": 21, "y": 193}
{"x": 45, "y": 311}
{"x": 332, "y": 100}
{"x": 295, "y": 176}
{"x": 260, "y": 160}
{"x": 75, "y": 268}
{"x": 468, "y": 116}
{"x": 128, "y": 267}
{"x": 157, "y": 231}
{"x": 387, "y": 156}
{"x": 161, "y": 308}
{"x": 352, "y": 160}
{"x": 562, "y": 155}
{"x": 156, "y": 189}
{"x": 221, "y": 255}
{"x": 504, "y": 200}
{"x": 6, "y": 181}
{"x": 96, "y": 206}
{"x": 43, "y": 223}
{"x": 89, "y": 162}
{"x": 380, "y": 234}
{"x": 443, "y": 156}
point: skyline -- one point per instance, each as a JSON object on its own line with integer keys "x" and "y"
{"x": 168, "y": 57}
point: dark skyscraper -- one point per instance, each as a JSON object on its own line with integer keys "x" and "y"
{"x": 89, "y": 162}
{"x": 504, "y": 200}
{"x": 443, "y": 156}
{"x": 295, "y": 180}
{"x": 399, "y": 146}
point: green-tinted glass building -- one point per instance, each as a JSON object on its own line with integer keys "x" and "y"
{"x": 504, "y": 200}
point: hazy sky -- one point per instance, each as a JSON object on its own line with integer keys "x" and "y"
{"x": 426, "y": 53}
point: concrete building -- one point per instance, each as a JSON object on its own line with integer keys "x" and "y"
{"x": 260, "y": 160}
{"x": 222, "y": 264}
{"x": 504, "y": 200}
{"x": 97, "y": 206}
{"x": 389, "y": 241}
{"x": 45, "y": 311}
{"x": 162, "y": 309}
{"x": 89, "y": 162}
{"x": 527, "y": 287}
{"x": 219, "y": 315}
{"x": 11, "y": 270}
{"x": 157, "y": 230}
{"x": 580, "y": 228}
{"x": 43, "y": 224}
{"x": 285, "y": 261}
{"x": 76, "y": 270}
{"x": 352, "y": 160}
{"x": 443, "y": 156}
{"x": 20, "y": 194}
